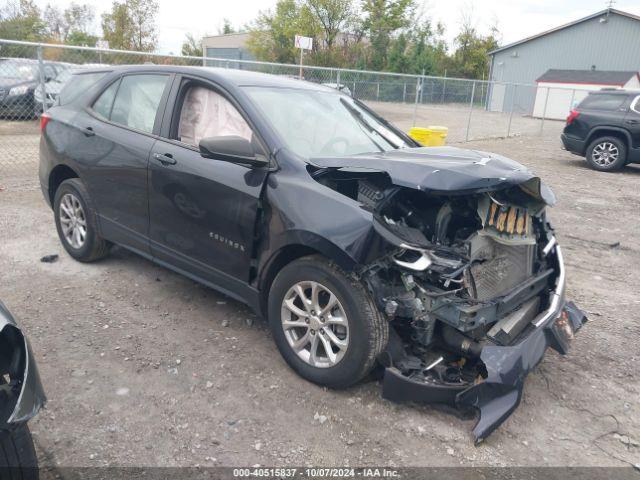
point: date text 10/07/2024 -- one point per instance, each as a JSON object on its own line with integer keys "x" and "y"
{"x": 371, "y": 472}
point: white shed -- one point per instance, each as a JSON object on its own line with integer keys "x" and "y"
{"x": 561, "y": 90}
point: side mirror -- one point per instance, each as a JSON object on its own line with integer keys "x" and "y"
{"x": 231, "y": 148}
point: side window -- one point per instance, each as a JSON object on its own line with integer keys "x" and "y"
{"x": 206, "y": 113}
{"x": 603, "y": 102}
{"x": 136, "y": 101}
{"x": 635, "y": 104}
{"x": 76, "y": 85}
{"x": 102, "y": 105}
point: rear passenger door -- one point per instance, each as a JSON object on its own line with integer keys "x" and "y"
{"x": 203, "y": 211}
{"x": 117, "y": 136}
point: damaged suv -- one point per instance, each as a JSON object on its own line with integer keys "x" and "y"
{"x": 359, "y": 246}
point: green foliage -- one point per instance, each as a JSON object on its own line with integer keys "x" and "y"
{"x": 384, "y": 35}
{"x": 192, "y": 46}
{"x": 470, "y": 60}
{"x": 21, "y": 20}
{"x": 227, "y": 28}
{"x": 381, "y": 19}
{"x": 81, "y": 39}
{"x": 131, "y": 25}
{"x": 272, "y": 35}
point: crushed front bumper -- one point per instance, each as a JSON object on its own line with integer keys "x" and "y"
{"x": 499, "y": 394}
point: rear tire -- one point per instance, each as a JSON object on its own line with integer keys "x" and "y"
{"x": 73, "y": 210}
{"x": 17, "y": 454}
{"x": 355, "y": 341}
{"x": 607, "y": 154}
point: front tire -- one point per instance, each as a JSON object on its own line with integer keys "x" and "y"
{"x": 77, "y": 224}
{"x": 607, "y": 154}
{"x": 17, "y": 454}
{"x": 325, "y": 323}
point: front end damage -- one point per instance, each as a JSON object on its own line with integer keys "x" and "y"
{"x": 472, "y": 283}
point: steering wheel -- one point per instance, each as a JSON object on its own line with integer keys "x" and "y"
{"x": 330, "y": 146}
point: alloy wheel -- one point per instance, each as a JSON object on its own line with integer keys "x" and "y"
{"x": 605, "y": 153}
{"x": 73, "y": 220}
{"x": 315, "y": 324}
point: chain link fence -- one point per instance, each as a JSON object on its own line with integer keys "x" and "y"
{"x": 32, "y": 75}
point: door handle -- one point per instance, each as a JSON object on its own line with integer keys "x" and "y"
{"x": 633, "y": 122}
{"x": 165, "y": 158}
{"x": 88, "y": 132}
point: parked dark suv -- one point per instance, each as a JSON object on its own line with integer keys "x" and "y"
{"x": 359, "y": 246}
{"x": 605, "y": 128}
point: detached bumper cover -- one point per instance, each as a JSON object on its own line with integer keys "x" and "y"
{"x": 499, "y": 394}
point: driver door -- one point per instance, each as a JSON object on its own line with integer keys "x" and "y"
{"x": 202, "y": 211}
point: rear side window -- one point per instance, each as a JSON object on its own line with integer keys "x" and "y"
{"x": 603, "y": 102}
{"x": 102, "y": 105}
{"x": 132, "y": 101}
{"x": 137, "y": 101}
{"x": 77, "y": 85}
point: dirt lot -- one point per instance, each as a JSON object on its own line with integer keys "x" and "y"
{"x": 144, "y": 367}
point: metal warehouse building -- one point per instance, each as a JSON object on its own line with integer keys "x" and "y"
{"x": 605, "y": 41}
{"x": 232, "y": 46}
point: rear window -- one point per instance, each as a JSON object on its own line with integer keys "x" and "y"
{"x": 603, "y": 102}
{"x": 78, "y": 84}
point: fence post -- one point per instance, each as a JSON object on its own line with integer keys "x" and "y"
{"x": 513, "y": 101}
{"x": 377, "y": 91}
{"x": 573, "y": 98}
{"x": 544, "y": 112}
{"x": 415, "y": 103}
{"x": 404, "y": 92}
{"x": 444, "y": 86}
{"x": 42, "y": 82}
{"x": 473, "y": 93}
{"x": 338, "y": 79}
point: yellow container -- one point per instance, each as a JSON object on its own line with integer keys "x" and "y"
{"x": 432, "y": 136}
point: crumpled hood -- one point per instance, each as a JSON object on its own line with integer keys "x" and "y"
{"x": 447, "y": 170}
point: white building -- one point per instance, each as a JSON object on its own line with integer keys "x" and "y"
{"x": 559, "y": 91}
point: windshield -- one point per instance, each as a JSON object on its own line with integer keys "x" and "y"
{"x": 23, "y": 71}
{"x": 317, "y": 124}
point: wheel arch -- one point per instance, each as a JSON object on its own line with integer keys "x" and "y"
{"x": 616, "y": 132}
{"x": 59, "y": 174}
{"x": 290, "y": 252}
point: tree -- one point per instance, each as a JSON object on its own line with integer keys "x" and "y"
{"x": 192, "y": 46}
{"x": 21, "y": 20}
{"x": 71, "y": 25}
{"x": 272, "y": 34}
{"x": 398, "y": 58}
{"x": 333, "y": 16}
{"x": 470, "y": 59}
{"x": 383, "y": 18}
{"x": 131, "y": 25}
{"x": 227, "y": 28}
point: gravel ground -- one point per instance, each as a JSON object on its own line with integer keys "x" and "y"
{"x": 144, "y": 367}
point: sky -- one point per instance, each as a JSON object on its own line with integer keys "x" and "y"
{"x": 516, "y": 19}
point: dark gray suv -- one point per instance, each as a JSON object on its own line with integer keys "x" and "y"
{"x": 360, "y": 247}
{"x": 605, "y": 129}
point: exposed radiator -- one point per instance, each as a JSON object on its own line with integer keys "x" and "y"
{"x": 504, "y": 267}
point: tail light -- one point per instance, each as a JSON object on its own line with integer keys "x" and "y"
{"x": 573, "y": 114}
{"x": 44, "y": 119}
